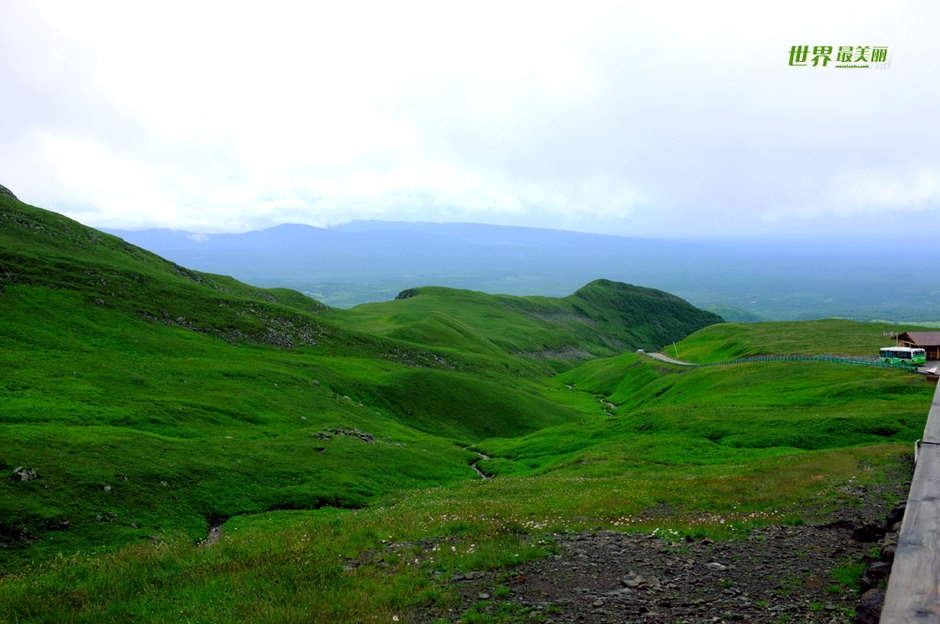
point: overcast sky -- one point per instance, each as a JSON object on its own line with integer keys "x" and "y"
{"x": 635, "y": 118}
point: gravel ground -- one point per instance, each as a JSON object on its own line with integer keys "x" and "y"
{"x": 778, "y": 574}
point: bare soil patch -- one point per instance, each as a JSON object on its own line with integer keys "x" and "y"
{"x": 777, "y": 574}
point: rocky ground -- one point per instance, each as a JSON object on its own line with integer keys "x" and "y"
{"x": 778, "y": 574}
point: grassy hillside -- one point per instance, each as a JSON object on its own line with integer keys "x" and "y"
{"x": 602, "y": 318}
{"x": 730, "y": 341}
{"x": 334, "y": 447}
{"x": 153, "y": 400}
{"x": 656, "y": 415}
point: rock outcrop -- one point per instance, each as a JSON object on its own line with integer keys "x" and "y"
{"x": 21, "y": 473}
{"x": 7, "y": 192}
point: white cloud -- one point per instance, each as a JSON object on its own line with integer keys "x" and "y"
{"x": 870, "y": 192}
{"x": 674, "y": 118}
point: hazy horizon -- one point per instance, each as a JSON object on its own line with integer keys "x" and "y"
{"x": 357, "y": 225}
{"x": 373, "y": 261}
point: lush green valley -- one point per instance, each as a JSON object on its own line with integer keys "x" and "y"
{"x": 142, "y": 404}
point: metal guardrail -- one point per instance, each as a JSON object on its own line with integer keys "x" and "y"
{"x": 808, "y": 358}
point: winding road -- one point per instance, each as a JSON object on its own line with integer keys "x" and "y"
{"x": 666, "y": 358}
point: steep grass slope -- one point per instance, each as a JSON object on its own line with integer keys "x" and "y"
{"x": 602, "y": 318}
{"x": 152, "y": 400}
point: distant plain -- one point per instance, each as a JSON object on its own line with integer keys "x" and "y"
{"x": 742, "y": 280}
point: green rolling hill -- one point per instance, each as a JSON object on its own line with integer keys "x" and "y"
{"x": 602, "y": 318}
{"x": 197, "y": 398}
{"x": 142, "y": 403}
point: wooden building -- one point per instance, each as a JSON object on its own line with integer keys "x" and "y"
{"x": 928, "y": 341}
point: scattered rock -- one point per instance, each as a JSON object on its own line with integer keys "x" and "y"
{"x": 352, "y": 432}
{"x": 871, "y": 532}
{"x": 632, "y": 580}
{"x": 15, "y": 534}
{"x": 841, "y": 524}
{"x": 889, "y": 546}
{"x": 868, "y": 610}
{"x": 21, "y": 473}
{"x": 875, "y": 574}
{"x": 57, "y": 525}
{"x": 896, "y": 514}
{"x": 620, "y": 578}
{"x": 7, "y": 192}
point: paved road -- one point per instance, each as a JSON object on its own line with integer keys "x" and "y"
{"x": 665, "y": 358}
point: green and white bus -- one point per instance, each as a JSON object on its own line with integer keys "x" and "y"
{"x": 903, "y": 355}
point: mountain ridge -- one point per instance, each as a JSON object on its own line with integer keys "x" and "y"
{"x": 124, "y": 269}
{"x": 750, "y": 280}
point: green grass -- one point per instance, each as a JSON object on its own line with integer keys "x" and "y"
{"x": 335, "y": 447}
{"x": 668, "y": 415}
{"x": 730, "y": 341}
{"x": 602, "y": 318}
{"x": 849, "y": 575}
{"x": 379, "y": 561}
{"x": 231, "y": 429}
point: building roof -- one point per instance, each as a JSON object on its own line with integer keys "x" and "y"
{"x": 923, "y": 339}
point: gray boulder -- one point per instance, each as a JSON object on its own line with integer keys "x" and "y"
{"x": 21, "y": 473}
{"x": 868, "y": 610}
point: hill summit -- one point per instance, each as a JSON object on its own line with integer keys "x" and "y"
{"x": 600, "y": 319}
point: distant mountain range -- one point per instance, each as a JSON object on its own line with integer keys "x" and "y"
{"x": 369, "y": 261}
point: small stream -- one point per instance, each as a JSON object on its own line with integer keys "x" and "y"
{"x": 474, "y": 465}
{"x": 214, "y": 535}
